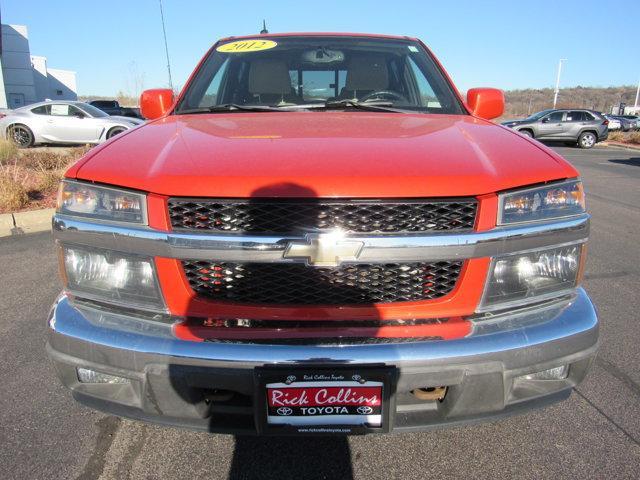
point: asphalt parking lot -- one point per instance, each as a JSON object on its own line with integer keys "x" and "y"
{"x": 594, "y": 434}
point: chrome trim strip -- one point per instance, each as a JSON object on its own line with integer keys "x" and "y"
{"x": 377, "y": 248}
{"x": 83, "y": 331}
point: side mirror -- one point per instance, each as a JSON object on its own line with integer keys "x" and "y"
{"x": 79, "y": 115}
{"x": 486, "y": 103}
{"x": 155, "y": 103}
{"x": 545, "y": 120}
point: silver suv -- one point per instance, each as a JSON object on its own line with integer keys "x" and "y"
{"x": 582, "y": 127}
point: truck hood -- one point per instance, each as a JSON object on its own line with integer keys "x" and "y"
{"x": 328, "y": 154}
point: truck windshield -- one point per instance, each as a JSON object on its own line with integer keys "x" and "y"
{"x": 317, "y": 72}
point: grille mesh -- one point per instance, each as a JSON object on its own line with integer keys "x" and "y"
{"x": 289, "y": 216}
{"x": 288, "y": 283}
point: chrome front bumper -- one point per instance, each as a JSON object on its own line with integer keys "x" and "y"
{"x": 172, "y": 380}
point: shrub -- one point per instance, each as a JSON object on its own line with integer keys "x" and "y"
{"x": 13, "y": 195}
{"x": 49, "y": 180}
{"x": 8, "y": 151}
{"x": 634, "y": 138}
{"x": 39, "y": 160}
{"x": 616, "y": 136}
{"x": 30, "y": 178}
{"x": 50, "y": 160}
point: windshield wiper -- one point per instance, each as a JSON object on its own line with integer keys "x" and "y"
{"x": 375, "y": 106}
{"x": 232, "y": 107}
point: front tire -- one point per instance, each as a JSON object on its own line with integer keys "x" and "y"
{"x": 115, "y": 131}
{"x": 587, "y": 140}
{"x": 526, "y": 133}
{"x": 20, "y": 135}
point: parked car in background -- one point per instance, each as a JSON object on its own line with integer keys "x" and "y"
{"x": 113, "y": 107}
{"x": 62, "y": 122}
{"x": 584, "y": 127}
{"x": 614, "y": 123}
{"x": 634, "y": 118}
{"x": 626, "y": 124}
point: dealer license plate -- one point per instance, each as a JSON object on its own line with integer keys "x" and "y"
{"x": 323, "y": 400}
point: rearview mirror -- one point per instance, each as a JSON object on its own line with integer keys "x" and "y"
{"x": 156, "y": 102}
{"x": 486, "y": 103}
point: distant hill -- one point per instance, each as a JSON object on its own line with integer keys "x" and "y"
{"x": 521, "y": 103}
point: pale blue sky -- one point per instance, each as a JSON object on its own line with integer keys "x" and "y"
{"x": 506, "y": 44}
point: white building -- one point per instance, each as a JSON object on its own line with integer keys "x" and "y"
{"x": 25, "y": 78}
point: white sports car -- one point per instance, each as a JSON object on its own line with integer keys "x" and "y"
{"x": 62, "y": 122}
{"x": 614, "y": 123}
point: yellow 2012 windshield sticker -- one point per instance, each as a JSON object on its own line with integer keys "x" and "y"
{"x": 242, "y": 46}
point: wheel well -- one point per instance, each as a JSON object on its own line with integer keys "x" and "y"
{"x": 589, "y": 131}
{"x": 18, "y": 125}
{"x": 118, "y": 127}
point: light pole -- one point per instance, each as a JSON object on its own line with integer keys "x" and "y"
{"x": 557, "y": 90}
{"x": 637, "y": 95}
{"x": 166, "y": 48}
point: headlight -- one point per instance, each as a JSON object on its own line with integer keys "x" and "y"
{"x": 104, "y": 203}
{"x": 541, "y": 203}
{"x": 523, "y": 278}
{"x": 111, "y": 276}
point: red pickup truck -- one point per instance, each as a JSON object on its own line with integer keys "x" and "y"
{"x": 320, "y": 236}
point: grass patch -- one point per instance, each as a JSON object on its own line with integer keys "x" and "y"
{"x": 48, "y": 181}
{"x": 8, "y": 152}
{"x": 634, "y": 138}
{"x": 29, "y": 178}
{"x": 43, "y": 160}
{"x": 631, "y": 138}
{"x": 13, "y": 195}
{"x": 616, "y": 137}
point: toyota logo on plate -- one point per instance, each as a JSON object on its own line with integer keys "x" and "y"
{"x": 365, "y": 410}
{"x": 284, "y": 411}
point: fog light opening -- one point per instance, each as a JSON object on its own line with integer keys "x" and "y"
{"x": 86, "y": 375}
{"x": 430, "y": 393}
{"x": 556, "y": 373}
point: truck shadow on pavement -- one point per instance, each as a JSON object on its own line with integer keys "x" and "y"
{"x": 295, "y": 457}
{"x": 634, "y": 161}
{"x": 229, "y": 405}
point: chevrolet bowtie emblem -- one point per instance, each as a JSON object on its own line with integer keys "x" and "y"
{"x": 326, "y": 250}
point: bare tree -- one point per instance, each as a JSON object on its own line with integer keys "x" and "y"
{"x": 134, "y": 80}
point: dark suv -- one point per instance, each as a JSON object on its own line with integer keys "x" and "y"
{"x": 584, "y": 127}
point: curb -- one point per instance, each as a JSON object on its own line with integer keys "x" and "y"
{"x": 620, "y": 145}
{"x": 12, "y": 224}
